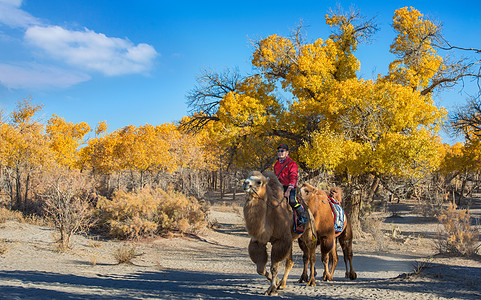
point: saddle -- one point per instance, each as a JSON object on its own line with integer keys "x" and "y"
{"x": 339, "y": 216}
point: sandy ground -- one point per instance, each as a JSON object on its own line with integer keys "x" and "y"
{"x": 216, "y": 265}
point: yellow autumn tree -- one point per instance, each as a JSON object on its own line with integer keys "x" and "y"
{"x": 65, "y": 139}
{"x": 333, "y": 120}
{"x": 23, "y": 151}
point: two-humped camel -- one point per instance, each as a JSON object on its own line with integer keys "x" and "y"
{"x": 269, "y": 219}
{"x": 320, "y": 208}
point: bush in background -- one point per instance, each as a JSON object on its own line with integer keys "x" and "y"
{"x": 459, "y": 236}
{"x": 133, "y": 215}
{"x": 67, "y": 202}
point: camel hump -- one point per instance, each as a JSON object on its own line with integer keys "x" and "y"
{"x": 274, "y": 185}
{"x": 272, "y": 177}
{"x": 336, "y": 193}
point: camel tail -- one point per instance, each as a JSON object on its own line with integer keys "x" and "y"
{"x": 312, "y": 224}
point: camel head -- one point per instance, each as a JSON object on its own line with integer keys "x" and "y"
{"x": 307, "y": 191}
{"x": 256, "y": 184}
{"x": 336, "y": 193}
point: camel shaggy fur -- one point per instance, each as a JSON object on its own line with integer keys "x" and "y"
{"x": 318, "y": 204}
{"x": 269, "y": 219}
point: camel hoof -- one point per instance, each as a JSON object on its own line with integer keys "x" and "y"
{"x": 303, "y": 279}
{"x": 353, "y": 276}
{"x": 272, "y": 292}
{"x": 328, "y": 278}
{"x": 311, "y": 283}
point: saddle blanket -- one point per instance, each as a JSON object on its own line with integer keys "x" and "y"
{"x": 339, "y": 215}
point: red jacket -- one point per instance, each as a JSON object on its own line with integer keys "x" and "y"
{"x": 288, "y": 175}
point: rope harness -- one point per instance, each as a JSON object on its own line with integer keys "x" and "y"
{"x": 267, "y": 202}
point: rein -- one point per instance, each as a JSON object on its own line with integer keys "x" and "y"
{"x": 267, "y": 202}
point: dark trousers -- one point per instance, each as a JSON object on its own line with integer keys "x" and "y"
{"x": 292, "y": 197}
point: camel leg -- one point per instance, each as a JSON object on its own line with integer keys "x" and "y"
{"x": 289, "y": 265}
{"x": 305, "y": 260}
{"x": 258, "y": 254}
{"x": 346, "y": 246}
{"x": 312, "y": 261}
{"x": 345, "y": 239}
{"x": 280, "y": 251}
{"x": 326, "y": 246}
{"x": 334, "y": 258}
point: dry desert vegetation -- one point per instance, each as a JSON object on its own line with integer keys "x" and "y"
{"x": 395, "y": 259}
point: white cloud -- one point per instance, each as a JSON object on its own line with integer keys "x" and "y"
{"x": 38, "y": 76}
{"x": 84, "y": 50}
{"x": 93, "y": 51}
{"x": 11, "y": 14}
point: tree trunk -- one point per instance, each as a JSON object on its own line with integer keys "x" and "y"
{"x": 27, "y": 183}
{"x": 353, "y": 208}
{"x": 18, "y": 187}
{"x": 373, "y": 188}
{"x": 463, "y": 185}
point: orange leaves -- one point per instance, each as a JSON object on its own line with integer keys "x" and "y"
{"x": 274, "y": 52}
{"x": 65, "y": 138}
{"x": 340, "y": 121}
{"x": 22, "y": 143}
{"x": 414, "y": 155}
{"x": 145, "y": 148}
{"x": 102, "y": 127}
{"x": 418, "y": 62}
{"x": 25, "y": 111}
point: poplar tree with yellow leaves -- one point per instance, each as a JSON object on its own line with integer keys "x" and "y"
{"x": 357, "y": 128}
{"x": 23, "y": 150}
{"x": 65, "y": 139}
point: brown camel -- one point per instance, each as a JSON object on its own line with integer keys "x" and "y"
{"x": 269, "y": 219}
{"x": 318, "y": 203}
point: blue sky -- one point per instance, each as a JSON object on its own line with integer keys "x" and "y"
{"x": 133, "y": 62}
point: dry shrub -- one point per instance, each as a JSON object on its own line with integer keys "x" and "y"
{"x": 459, "y": 236}
{"x": 150, "y": 211}
{"x": 429, "y": 206}
{"x": 6, "y": 214}
{"x": 67, "y": 204}
{"x": 179, "y": 212}
{"x": 125, "y": 254}
{"x": 93, "y": 258}
{"x": 3, "y": 247}
{"x": 129, "y": 214}
{"x": 372, "y": 226}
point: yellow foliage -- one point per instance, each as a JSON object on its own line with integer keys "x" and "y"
{"x": 65, "y": 139}
{"x": 418, "y": 61}
{"x": 102, "y": 127}
{"x": 324, "y": 150}
{"x": 340, "y": 122}
{"x": 22, "y": 143}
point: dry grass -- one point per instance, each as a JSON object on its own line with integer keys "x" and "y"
{"x": 93, "y": 258}
{"x": 94, "y": 243}
{"x": 3, "y": 247}
{"x": 6, "y": 215}
{"x": 457, "y": 236}
{"x": 125, "y": 254}
{"x": 419, "y": 266}
{"x": 372, "y": 226}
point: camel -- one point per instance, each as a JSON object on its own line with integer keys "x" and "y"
{"x": 269, "y": 219}
{"x": 318, "y": 204}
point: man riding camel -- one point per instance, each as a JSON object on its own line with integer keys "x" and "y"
{"x": 287, "y": 171}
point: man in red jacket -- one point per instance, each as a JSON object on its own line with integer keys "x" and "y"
{"x": 287, "y": 171}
